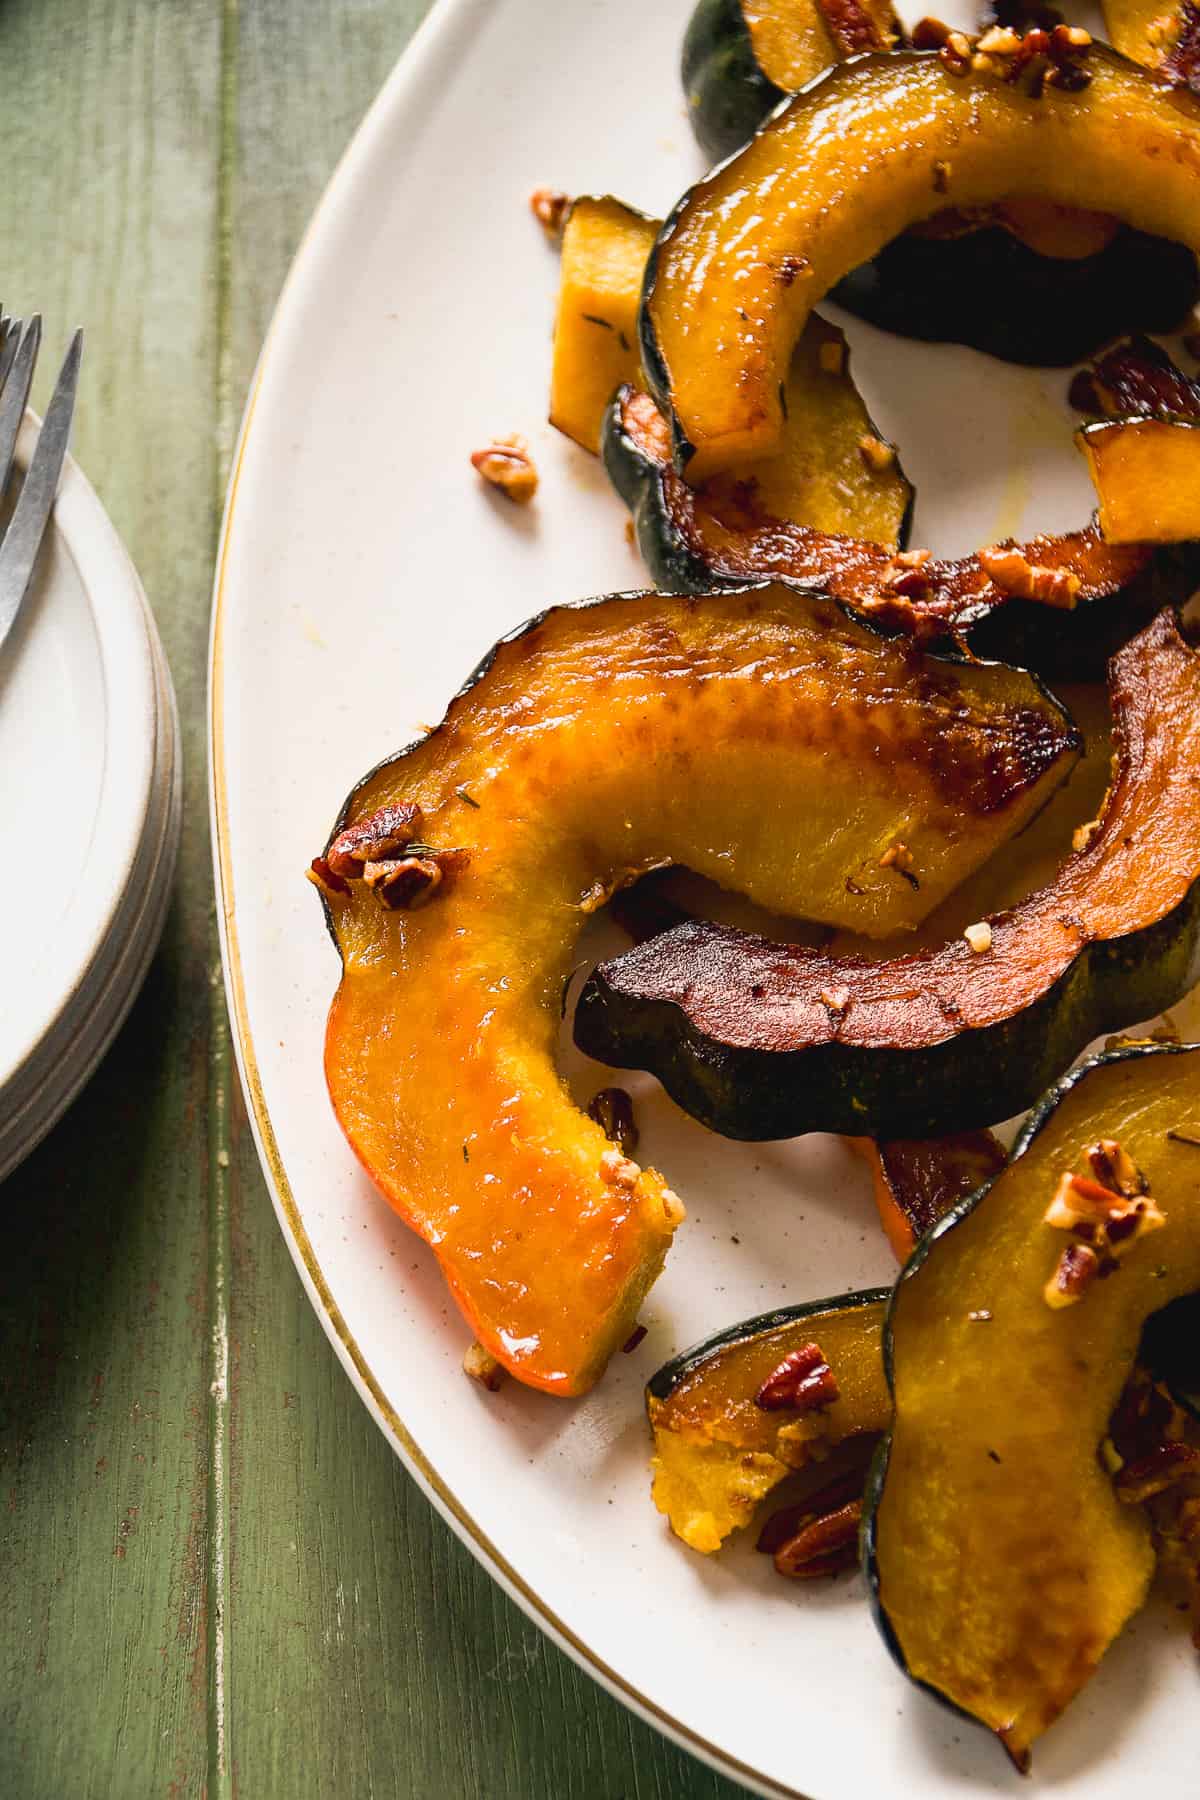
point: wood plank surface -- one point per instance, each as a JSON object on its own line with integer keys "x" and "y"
{"x": 215, "y": 1577}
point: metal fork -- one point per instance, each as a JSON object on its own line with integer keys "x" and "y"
{"x": 20, "y": 541}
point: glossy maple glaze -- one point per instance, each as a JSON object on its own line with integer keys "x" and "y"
{"x": 849, "y": 164}
{"x": 762, "y": 738}
{"x": 1003, "y": 1561}
{"x": 1140, "y": 865}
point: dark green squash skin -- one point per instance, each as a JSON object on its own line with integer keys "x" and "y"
{"x": 664, "y": 1381}
{"x": 1170, "y": 1349}
{"x": 1058, "y": 645}
{"x": 877, "y": 1475}
{"x": 727, "y": 93}
{"x": 969, "y": 1080}
{"x": 991, "y": 292}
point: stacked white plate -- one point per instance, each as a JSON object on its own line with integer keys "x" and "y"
{"x": 89, "y": 811}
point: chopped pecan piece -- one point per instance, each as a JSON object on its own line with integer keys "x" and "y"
{"x": 323, "y": 877}
{"x": 1014, "y": 574}
{"x": 929, "y": 34}
{"x": 1078, "y": 1267}
{"x": 1158, "y": 1470}
{"x": 550, "y": 207}
{"x": 379, "y": 837}
{"x": 1114, "y": 1168}
{"x": 482, "y": 1367}
{"x": 507, "y": 465}
{"x": 825, "y": 1545}
{"x": 404, "y": 883}
{"x": 612, "y": 1109}
{"x": 788, "y": 1520}
{"x": 897, "y": 856}
{"x": 803, "y": 1382}
{"x": 1111, "y": 1220}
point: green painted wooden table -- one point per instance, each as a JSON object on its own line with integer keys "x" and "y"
{"x": 213, "y": 1588}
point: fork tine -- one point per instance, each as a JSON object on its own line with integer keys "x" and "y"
{"x": 9, "y": 344}
{"x": 18, "y": 552}
{"x": 14, "y": 397}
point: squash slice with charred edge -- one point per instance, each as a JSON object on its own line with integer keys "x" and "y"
{"x": 717, "y": 1454}
{"x": 1001, "y": 1563}
{"x": 698, "y": 540}
{"x": 766, "y": 739}
{"x": 820, "y": 477}
{"x": 848, "y": 164}
{"x": 766, "y": 1040}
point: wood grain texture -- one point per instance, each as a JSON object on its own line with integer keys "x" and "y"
{"x": 215, "y": 1577}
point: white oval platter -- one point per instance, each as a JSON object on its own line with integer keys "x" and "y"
{"x": 363, "y": 572}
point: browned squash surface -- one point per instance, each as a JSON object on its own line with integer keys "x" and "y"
{"x": 765, "y": 739}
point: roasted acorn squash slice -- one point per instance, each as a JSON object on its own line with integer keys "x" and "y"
{"x": 1024, "y": 279}
{"x": 765, "y": 739}
{"x": 1002, "y": 1564}
{"x": 820, "y": 476}
{"x": 766, "y": 1040}
{"x": 1146, "y": 474}
{"x": 917, "y": 1181}
{"x": 742, "y": 57}
{"x": 1164, "y": 37}
{"x": 992, "y": 290}
{"x": 605, "y": 245}
{"x": 717, "y": 1453}
{"x": 697, "y": 540}
{"x": 873, "y": 147}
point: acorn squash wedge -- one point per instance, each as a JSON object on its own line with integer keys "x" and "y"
{"x": 767, "y": 740}
{"x": 1146, "y": 472}
{"x": 1165, "y": 38}
{"x": 1001, "y": 1562}
{"x": 717, "y": 1453}
{"x": 917, "y": 1181}
{"x": 988, "y": 287}
{"x": 1142, "y": 444}
{"x": 1022, "y": 279}
{"x": 742, "y": 57}
{"x": 698, "y": 540}
{"x": 605, "y": 245}
{"x": 766, "y": 1040}
{"x": 867, "y": 150}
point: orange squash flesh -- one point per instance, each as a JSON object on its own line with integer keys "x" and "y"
{"x": 605, "y": 246}
{"x": 762, "y": 738}
{"x": 873, "y": 147}
{"x": 1146, "y": 473}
